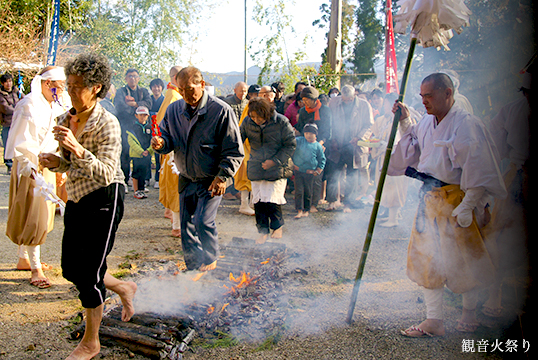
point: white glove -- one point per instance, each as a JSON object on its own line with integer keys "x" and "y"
{"x": 26, "y": 168}
{"x": 464, "y": 211}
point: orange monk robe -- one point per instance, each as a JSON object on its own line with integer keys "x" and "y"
{"x": 168, "y": 180}
{"x": 241, "y": 181}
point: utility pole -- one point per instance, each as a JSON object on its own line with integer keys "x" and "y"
{"x": 246, "y": 48}
{"x": 335, "y": 38}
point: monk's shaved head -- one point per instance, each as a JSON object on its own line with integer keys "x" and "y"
{"x": 440, "y": 81}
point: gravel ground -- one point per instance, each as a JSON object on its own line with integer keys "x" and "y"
{"x": 34, "y": 324}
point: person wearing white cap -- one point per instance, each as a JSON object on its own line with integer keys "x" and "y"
{"x": 30, "y": 217}
{"x": 139, "y": 137}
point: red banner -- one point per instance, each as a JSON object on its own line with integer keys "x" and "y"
{"x": 391, "y": 74}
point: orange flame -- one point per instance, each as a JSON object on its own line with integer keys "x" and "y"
{"x": 210, "y": 310}
{"x": 242, "y": 281}
{"x": 265, "y": 262}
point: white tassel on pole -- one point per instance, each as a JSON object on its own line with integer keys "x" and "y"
{"x": 432, "y": 21}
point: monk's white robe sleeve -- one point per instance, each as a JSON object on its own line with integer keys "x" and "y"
{"x": 407, "y": 152}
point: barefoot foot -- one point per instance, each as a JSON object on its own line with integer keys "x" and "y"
{"x": 277, "y": 234}
{"x": 127, "y": 295}
{"x": 85, "y": 351}
{"x": 262, "y": 239}
{"x": 168, "y": 214}
{"x": 209, "y": 267}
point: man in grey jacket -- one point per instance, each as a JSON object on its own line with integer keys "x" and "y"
{"x": 202, "y": 131}
{"x": 126, "y": 101}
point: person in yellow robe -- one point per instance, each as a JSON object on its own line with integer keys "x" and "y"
{"x": 169, "y": 176}
{"x": 241, "y": 181}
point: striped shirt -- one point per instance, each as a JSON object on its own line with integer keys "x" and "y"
{"x": 100, "y": 165}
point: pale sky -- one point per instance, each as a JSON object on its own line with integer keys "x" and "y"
{"x": 224, "y": 38}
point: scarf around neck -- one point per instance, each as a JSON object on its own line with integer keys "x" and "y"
{"x": 314, "y": 109}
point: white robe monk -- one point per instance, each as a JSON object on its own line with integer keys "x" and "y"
{"x": 446, "y": 246}
{"x": 30, "y": 217}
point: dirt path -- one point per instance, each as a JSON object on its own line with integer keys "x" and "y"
{"x": 34, "y": 324}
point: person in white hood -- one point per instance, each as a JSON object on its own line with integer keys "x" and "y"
{"x": 30, "y": 216}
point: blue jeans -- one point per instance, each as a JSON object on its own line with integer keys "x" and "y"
{"x": 199, "y": 236}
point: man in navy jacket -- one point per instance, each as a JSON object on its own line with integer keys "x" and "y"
{"x": 202, "y": 131}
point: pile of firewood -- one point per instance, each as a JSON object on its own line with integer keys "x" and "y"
{"x": 251, "y": 275}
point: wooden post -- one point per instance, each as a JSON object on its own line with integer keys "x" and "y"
{"x": 246, "y": 46}
{"x": 334, "y": 54}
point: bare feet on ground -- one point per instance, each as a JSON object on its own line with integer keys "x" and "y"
{"x": 209, "y": 267}
{"x": 313, "y": 209}
{"x": 85, "y": 351}
{"x": 277, "y": 234}
{"x": 168, "y": 214}
{"x": 301, "y": 214}
{"x": 127, "y": 295}
{"x": 262, "y": 239}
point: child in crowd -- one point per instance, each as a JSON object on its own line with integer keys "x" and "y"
{"x": 309, "y": 161}
{"x": 140, "y": 150}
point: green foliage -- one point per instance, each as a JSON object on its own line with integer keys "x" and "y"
{"x": 273, "y": 56}
{"x": 369, "y": 39}
{"x": 323, "y": 79}
{"x": 72, "y": 13}
{"x": 148, "y": 35}
{"x": 222, "y": 339}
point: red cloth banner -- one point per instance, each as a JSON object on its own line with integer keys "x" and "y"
{"x": 391, "y": 74}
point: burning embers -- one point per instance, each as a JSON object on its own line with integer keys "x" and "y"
{"x": 240, "y": 296}
{"x": 242, "y": 281}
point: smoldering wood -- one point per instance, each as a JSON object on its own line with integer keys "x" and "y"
{"x": 179, "y": 320}
{"x": 161, "y": 334}
{"x": 166, "y": 336}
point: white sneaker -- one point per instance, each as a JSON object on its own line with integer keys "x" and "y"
{"x": 126, "y": 189}
{"x": 156, "y": 185}
{"x": 146, "y": 189}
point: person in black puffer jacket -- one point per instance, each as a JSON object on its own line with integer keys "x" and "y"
{"x": 272, "y": 142}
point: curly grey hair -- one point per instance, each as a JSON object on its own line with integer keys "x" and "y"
{"x": 94, "y": 69}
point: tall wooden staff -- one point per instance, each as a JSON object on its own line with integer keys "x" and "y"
{"x": 432, "y": 22}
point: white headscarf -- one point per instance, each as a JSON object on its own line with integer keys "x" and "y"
{"x": 56, "y": 74}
